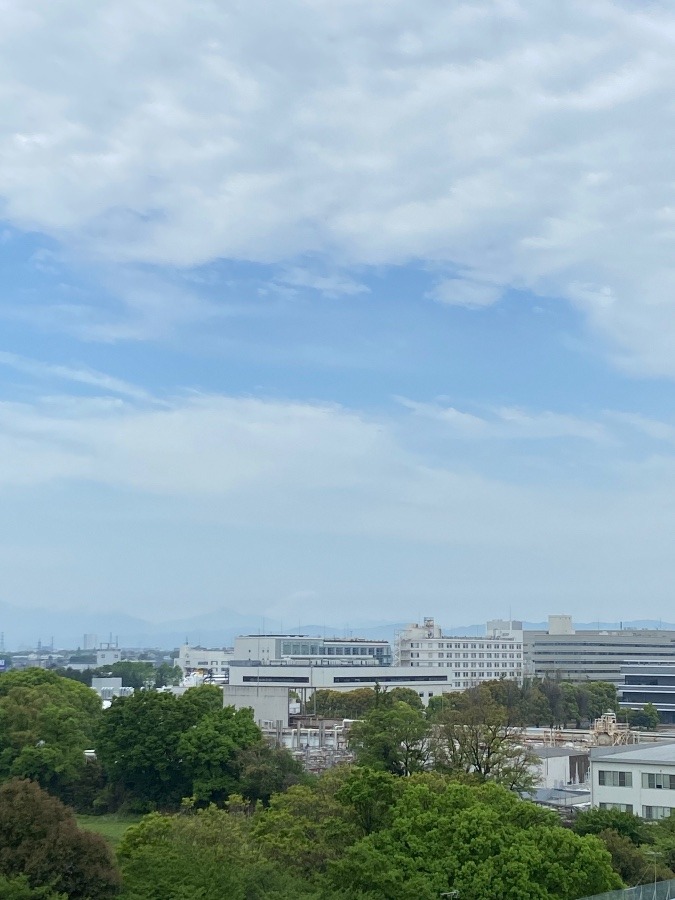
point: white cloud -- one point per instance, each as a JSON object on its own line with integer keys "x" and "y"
{"x": 166, "y": 487}
{"x": 529, "y": 144}
{"x": 89, "y": 377}
{"x": 330, "y": 285}
{"x": 511, "y": 423}
{"x": 463, "y": 292}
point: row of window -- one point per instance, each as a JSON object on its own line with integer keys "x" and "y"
{"x": 295, "y": 649}
{"x": 514, "y": 668}
{"x": 658, "y": 780}
{"x": 425, "y": 645}
{"x": 433, "y": 655}
{"x": 648, "y": 812}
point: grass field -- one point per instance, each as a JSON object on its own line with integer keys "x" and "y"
{"x": 111, "y": 827}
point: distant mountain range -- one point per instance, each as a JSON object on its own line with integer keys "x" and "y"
{"x": 24, "y": 628}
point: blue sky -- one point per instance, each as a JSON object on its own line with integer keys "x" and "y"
{"x": 344, "y": 312}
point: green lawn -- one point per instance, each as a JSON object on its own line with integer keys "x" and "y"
{"x": 111, "y": 826}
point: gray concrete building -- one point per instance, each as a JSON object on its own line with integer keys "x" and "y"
{"x": 649, "y": 681}
{"x": 591, "y": 655}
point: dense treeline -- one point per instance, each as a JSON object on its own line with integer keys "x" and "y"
{"x": 138, "y": 675}
{"x": 151, "y": 748}
{"x": 538, "y": 702}
{"x": 429, "y": 807}
{"x": 362, "y": 834}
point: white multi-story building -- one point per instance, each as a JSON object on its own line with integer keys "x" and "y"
{"x": 427, "y": 682}
{"x": 471, "y": 660}
{"x": 633, "y": 779}
{"x": 300, "y": 648}
{"x": 289, "y": 649}
{"x": 204, "y": 661}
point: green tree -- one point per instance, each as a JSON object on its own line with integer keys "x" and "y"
{"x": 476, "y": 739}
{"x": 404, "y": 695}
{"x": 19, "y": 889}
{"x": 167, "y": 675}
{"x": 209, "y": 751}
{"x": 204, "y": 856}
{"x": 370, "y": 796}
{"x": 601, "y": 698}
{"x": 482, "y": 842}
{"x": 342, "y": 704}
{"x": 628, "y": 825}
{"x": 137, "y": 745}
{"x": 199, "y": 701}
{"x": 307, "y": 828}
{"x": 40, "y": 840}
{"x": 646, "y": 718}
{"x": 570, "y": 705}
{"x": 137, "y": 675}
{"x": 46, "y": 724}
{"x": 536, "y": 708}
{"x": 264, "y": 771}
{"x": 634, "y": 865}
{"x": 392, "y": 738}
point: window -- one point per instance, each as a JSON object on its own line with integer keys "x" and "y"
{"x": 658, "y": 780}
{"x": 656, "y": 812}
{"x": 610, "y": 778}
{"x": 622, "y": 807}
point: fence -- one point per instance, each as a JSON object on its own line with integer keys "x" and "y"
{"x": 661, "y": 890}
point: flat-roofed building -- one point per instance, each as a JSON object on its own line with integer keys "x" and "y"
{"x": 588, "y": 655}
{"x": 649, "y": 681}
{"x": 427, "y": 682}
{"x": 469, "y": 661}
{"x": 633, "y": 779}
{"x": 269, "y": 648}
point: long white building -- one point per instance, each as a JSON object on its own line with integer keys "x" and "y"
{"x": 468, "y": 660}
{"x": 427, "y": 682}
{"x": 274, "y": 649}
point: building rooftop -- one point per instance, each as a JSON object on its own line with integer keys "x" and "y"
{"x": 652, "y": 754}
{"x": 551, "y": 752}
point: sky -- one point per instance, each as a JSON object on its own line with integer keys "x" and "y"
{"x": 335, "y": 311}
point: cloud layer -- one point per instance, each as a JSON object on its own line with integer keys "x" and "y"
{"x": 127, "y": 497}
{"x": 504, "y": 143}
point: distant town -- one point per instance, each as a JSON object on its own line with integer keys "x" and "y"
{"x": 639, "y": 662}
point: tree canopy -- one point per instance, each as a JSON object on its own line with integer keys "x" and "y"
{"x": 40, "y": 841}
{"x": 46, "y": 724}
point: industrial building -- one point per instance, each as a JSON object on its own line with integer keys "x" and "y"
{"x": 567, "y": 654}
{"x": 638, "y": 779}
{"x": 649, "y": 681}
